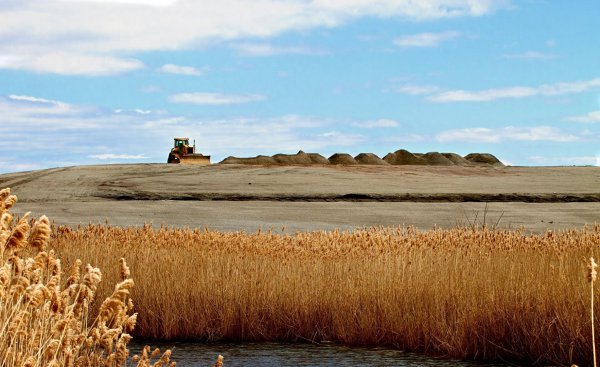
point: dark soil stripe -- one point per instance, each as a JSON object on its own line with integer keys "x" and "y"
{"x": 359, "y": 197}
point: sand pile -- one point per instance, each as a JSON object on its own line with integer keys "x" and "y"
{"x": 293, "y": 159}
{"x": 370, "y": 158}
{"x": 342, "y": 158}
{"x": 399, "y": 157}
{"x": 436, "y": 159}
{"x": 483, "y": 159}
{"x": 316, "y": 158}
{"x": 457, "y": 159}
{"x": 403, "y": 157}
{"x": 261, "y": 160}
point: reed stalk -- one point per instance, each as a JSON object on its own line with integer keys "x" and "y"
{"x": 592, "y": 278}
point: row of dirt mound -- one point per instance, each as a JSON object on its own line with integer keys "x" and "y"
{"x": 399, "y": 157}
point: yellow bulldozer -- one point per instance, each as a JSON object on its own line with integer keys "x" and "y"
{"x": 184, "y": 153}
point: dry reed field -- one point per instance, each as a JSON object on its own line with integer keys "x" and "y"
{"x": 472, "y": 293}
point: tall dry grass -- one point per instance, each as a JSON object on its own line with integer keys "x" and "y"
{"x": 45, "y": 319}
{"x": 467, "y": 293}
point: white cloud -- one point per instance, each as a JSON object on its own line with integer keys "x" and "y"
{"x": 215, "y": 98}
{"x": 266, "y": 49}
{"x": 381, "y": 123}
{"x": 487, "y": 135}
{"x": 181, "y": 70}
{"x": 591, "y": 117}
{"x": 143, "y": 112}
{"x": 68, "y": 63}
{"x": 136, "y": 2}
{"x": 426, "y": 39}
{"x": 417, "y": 90}
{"x": 546, "y": 90}
{"x": 531, "y": 55}
{"x": 566, "y": 161}
{"x": 98, "y": 37}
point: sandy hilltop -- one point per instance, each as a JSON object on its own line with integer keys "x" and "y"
{"x": 298, "y": 196}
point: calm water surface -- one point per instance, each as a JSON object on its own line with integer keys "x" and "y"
{"x": 295, "y": 355}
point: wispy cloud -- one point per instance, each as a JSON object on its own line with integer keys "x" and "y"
{"x": 531, "y": 55}
{"x": 216, "y": 99}
{"x": 546, "y": 90}
{"x": 25, "y": 109}
{"x": 591, "y": 117}
{"x": 136, "y": 2}
{"x": 266, "y": 49}
{"x": 88, "y": 135}
{"x": 151, "y": 89}
{"x": 426, "y": 39}
{"x": 345, "y": 139}
{"x": 406, "y": 138}
{"x": 509, "y": 133}
{"x": 376, "y": 124}
{"x": 181, "y": 70}
{"x": 562, "y": 161}
{"x": 36, "y": 104}
{"x": 112, "y": 156}
{"x": 417, "y": 90}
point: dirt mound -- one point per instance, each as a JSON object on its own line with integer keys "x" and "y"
{"x": 437, "y": 159}
{"x": 399, "y": 157}
{"x": 342, "y": 158}
{"x": 457, "y": 159}
{"x": 316, "y": 158}
{"x": 370, "y": 158}
{"x": 403, "y": 157}
{"x": 299, "y": 158}
{"x": 484, "y": 158}
{"x": 292, "y": 159}
{"x": 261, "y": 160}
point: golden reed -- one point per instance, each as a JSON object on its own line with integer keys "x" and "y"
{"x": 45, "y": 320}
{"x": 468, "y": 293}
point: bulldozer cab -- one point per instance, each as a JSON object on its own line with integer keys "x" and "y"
{"x": 180, "y": 142}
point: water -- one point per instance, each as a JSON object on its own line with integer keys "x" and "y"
{"x": 296, "y": 355}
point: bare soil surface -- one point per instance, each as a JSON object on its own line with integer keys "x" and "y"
{"x": 297, "y": 198}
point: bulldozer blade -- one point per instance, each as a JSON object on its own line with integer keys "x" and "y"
{"x": 195, "y": 159}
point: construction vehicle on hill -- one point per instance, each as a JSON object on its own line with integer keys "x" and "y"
{"x": 184, "y": 153}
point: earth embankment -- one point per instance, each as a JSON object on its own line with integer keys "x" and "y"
{"x": 233, "y": 197}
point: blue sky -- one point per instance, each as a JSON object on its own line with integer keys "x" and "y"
{"x": 93, "y": 82}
